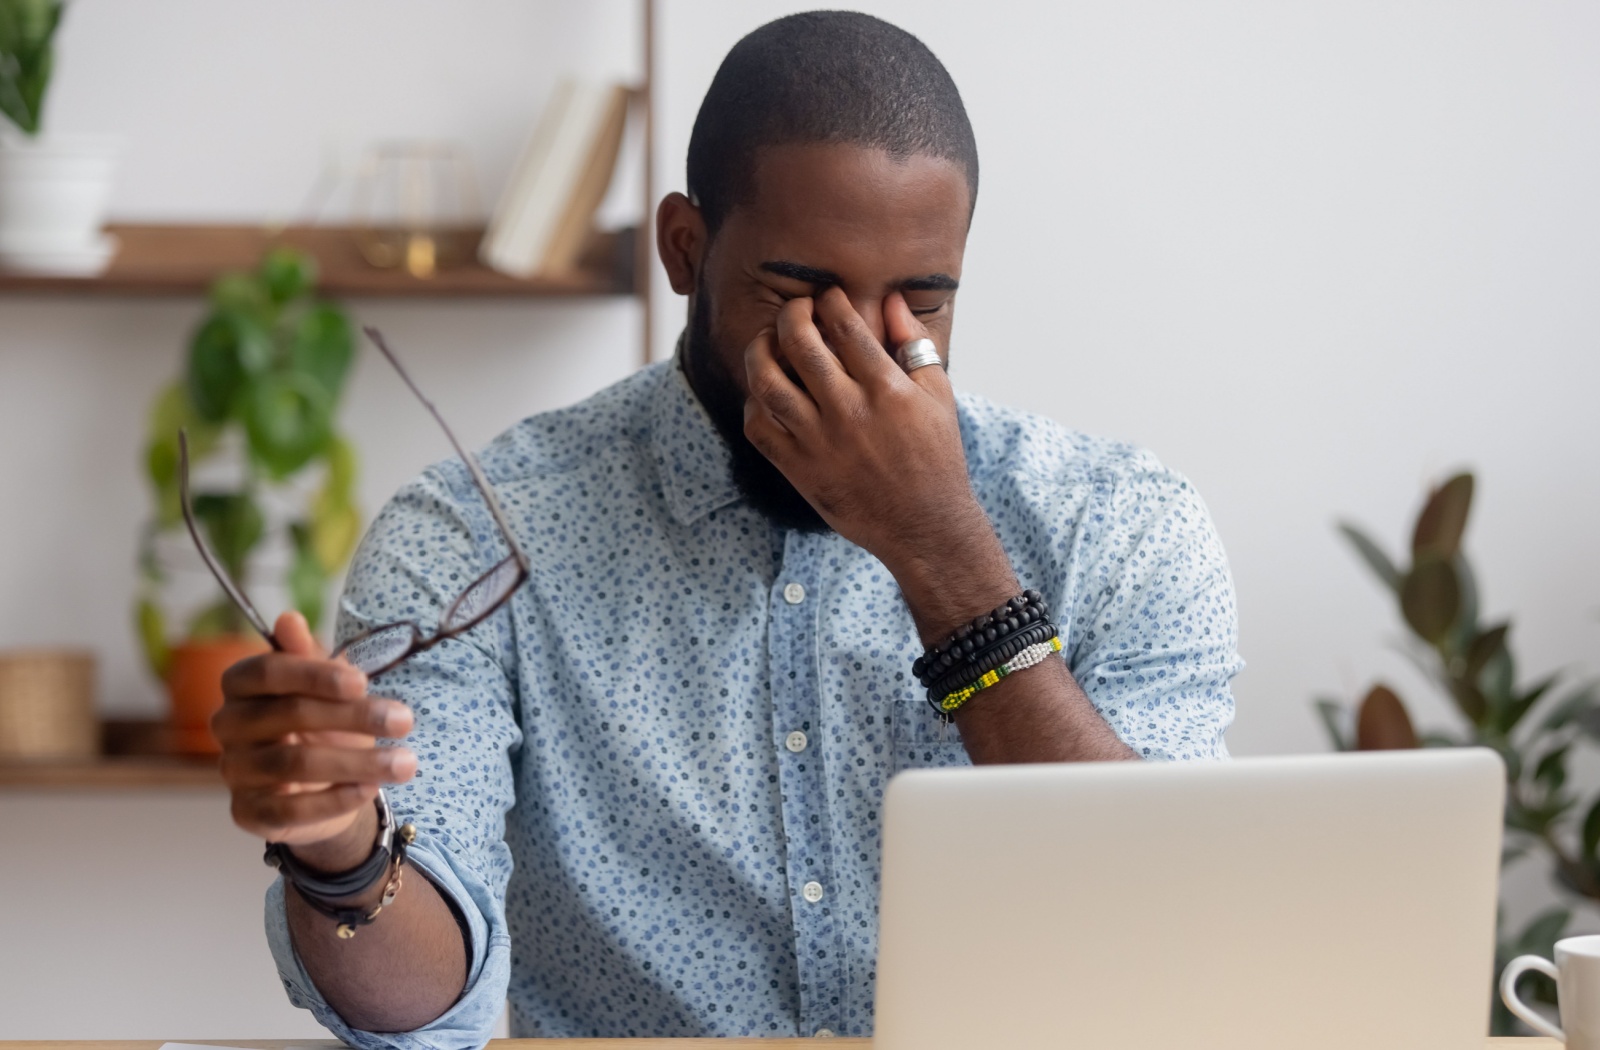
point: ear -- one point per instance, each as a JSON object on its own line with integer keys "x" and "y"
{"x": 680, "y": 241}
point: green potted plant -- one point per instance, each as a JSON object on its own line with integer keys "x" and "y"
{"x": 258, "y": 397}
{"x": 53, "y": 188}
{"x": 1538, "y": 727}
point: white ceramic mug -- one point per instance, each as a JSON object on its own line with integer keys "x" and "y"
{"x": 1577, "y": 975}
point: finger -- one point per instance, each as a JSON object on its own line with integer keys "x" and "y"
{"x": 801, "y": 344}
{"x": 259, "y": 720}
{"x": 767, "y": 384}
{"x": 279, "y": 765}
{"x": 858, "y": 349}
{"x": 902, "y": 326}
{"x": 768, "y": 434}
{"x": 282, "y": 674}
{"x": 294, "y": 634}
{"x": 270, "y": 814}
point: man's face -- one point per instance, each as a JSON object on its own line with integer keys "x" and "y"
{"x": 820, "y": 215}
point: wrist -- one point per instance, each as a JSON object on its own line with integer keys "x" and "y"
{"x": 953, "y": 573}
{"x": 344, "y": 850}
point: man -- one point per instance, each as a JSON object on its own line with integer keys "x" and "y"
{"x": 680, "y": 729}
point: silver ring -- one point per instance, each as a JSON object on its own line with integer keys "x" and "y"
{"x": 919, "y": 353}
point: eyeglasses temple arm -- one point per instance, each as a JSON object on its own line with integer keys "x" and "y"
{"x": 223, "y": 579}
{"x": 471, "y": 463}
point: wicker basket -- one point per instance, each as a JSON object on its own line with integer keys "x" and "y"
{"x": 47, "y": 704}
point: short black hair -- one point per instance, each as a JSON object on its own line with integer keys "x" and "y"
{"x": 823, "y": 76}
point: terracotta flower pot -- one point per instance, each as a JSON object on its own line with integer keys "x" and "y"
{"x": 194, "y": 682}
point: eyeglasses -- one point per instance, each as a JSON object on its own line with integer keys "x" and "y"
{"x": 380, "y": 648}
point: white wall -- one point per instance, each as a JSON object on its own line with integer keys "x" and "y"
{"x": 1313, "y": 255}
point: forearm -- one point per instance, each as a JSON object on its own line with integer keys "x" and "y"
{"x": 398, "y": 973}
{"x": 1038, "y": 715}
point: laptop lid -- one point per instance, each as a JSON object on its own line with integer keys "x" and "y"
{"x": 1318, "y": 902}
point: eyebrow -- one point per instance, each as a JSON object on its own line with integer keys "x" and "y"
{"x": 822, "y": 279}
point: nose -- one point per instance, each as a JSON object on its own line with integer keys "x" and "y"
{"x": 871, "y": 311}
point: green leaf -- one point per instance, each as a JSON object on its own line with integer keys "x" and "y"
{"x": 1430, "y": 598}
{"x": 307, "y": 582}
{"x": 242, "y": 293}
{"x": 1333, "y": 721}
{"x": 1373, "y": 555}
{"x": 27, "y": 29}
{"x": 1591, "y": 830}
{"x": 289, "y": 419}
{"x": 1443, "y": 520}
{"x": 1466, "y": 625}
{"x": 322, "y": 347}
{"x": 1483, "y": 647}
{"x": 233, "y": 526}
{"x": 161, "y": 464}
{"x": 226, "y": 349}
{"x": 152, "y": 628}
{"x": 1521, "y": 705}
{"x": 1551, "y": 772}
{"x": 1471, "y": 701}
{"x": 287, "y": 274}
{"x": 342, "y": 467}
{"x": 335, "y": 529}
{"x": 172, "y": 411}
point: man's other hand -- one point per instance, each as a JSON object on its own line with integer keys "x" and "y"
{"x": 299, "y": 748}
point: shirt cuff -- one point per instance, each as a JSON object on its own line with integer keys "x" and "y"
{"x": 470, "y": 1022}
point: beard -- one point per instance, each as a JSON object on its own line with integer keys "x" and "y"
{"x": 761, "y": 484}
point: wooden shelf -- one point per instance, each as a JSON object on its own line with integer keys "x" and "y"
{"x": 135, "y": 753}
{"x": 111, "y": 773}
{"x": 184, "y": 260}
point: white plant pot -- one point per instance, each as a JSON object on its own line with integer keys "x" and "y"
{"x": 53, "y": 195}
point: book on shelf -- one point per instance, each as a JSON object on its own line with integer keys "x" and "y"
{"x": 546, "y": 211}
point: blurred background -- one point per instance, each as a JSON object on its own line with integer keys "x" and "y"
{"x": 1318, "y": 257}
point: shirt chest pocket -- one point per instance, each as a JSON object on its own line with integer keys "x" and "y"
{"x": 921, "y": 740}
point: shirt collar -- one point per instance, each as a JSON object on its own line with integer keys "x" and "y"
{"x": 695, "y": 467}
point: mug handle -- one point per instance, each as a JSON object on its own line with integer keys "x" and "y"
{"x": 1508, "y": 993}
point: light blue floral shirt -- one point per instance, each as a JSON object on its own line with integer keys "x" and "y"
{"x": 653, "y": 783}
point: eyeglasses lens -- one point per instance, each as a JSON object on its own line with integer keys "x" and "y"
{"x": 490, "y": 589}
{"x": 377, "y": 651}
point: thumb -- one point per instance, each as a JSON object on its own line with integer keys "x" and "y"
{"x": 294, "y": 634}
{"x": 901, "y": 326}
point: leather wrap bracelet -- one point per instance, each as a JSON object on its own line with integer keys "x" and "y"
{"x": 976, "y": 651}
{"x": 321, "y": 889}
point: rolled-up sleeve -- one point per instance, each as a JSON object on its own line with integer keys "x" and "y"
{"x": 1155, "y": 643}
{"x": 431, "y": 541}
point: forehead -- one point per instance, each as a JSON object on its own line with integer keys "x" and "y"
{"x": 852, "y": 209}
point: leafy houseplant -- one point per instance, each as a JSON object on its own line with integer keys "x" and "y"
{"x": 1536, "y": 727}
{"x": 267, "y": 364}
{"x": 27, "y": 31}
{"x": 53, "y": 189}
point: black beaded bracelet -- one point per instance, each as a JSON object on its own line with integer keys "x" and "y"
{"x": 990, "y": 658}
{"x": 955, "y": 656}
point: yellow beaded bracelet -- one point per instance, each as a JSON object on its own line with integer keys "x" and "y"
{"x": 1022, "y": 661}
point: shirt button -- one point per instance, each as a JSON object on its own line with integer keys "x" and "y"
{"x": 794, "y": 594}
{"x": 822, "y": 1033}
{"x": 812, "y": 891}
{"x": 795, "y": 741}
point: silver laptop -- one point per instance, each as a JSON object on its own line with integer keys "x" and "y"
{"x": 1314, "y": 902}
